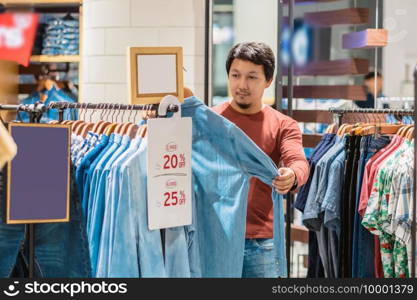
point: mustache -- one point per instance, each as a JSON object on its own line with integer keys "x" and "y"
{"x": 243, "y": 93}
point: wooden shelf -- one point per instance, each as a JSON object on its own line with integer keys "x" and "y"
{"x": 311, "y": 140}
{"x": 352, "y": 92}
{"x": 299, "y": 233}
{"x": 55, "y": 58}
{"x": 44, "y": 6}
{"x": 309, "y": 1}
{"x": 367, "y": 39}
{"x": 311, "y": 116}
{"x": 355, "y": 66}
{"x": 346, "y": 16}
{"x": 32, "y": 2}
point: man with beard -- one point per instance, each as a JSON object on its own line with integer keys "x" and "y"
{"x": 250, "y": 68}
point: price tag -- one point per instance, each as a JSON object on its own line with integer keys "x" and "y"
{"x": 169, "y": 172}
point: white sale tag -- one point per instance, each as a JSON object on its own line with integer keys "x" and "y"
{"x": 169, "y": 172}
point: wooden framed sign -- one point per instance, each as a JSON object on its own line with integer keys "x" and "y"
{"x": 155, "y": 72}
{"x": 38, "y": 178}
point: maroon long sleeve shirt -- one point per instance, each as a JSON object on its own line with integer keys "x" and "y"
{"x": 280, "y": 138}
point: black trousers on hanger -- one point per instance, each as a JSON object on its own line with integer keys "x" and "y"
{"x": 315, "y": 265}
{"x": 345, "y": 242}
{"x": 348, "y": 204}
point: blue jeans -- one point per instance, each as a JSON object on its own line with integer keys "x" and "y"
{"x": 363, "y": 240}
{"x": 259, "y": 260}
{"x": 61, "y": 249}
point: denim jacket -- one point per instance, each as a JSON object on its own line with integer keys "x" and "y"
{"x": 224, "y": 159}
{"x": 53, "y": 95}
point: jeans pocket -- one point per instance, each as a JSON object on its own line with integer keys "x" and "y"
{"x": 265, "y": 244}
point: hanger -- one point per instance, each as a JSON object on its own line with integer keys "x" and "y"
{"x": 340, "y": 131}
{"x": 383, "y": 129}
{"x": 410, "y": 134}
{"x": 406, "y": 130}
{"x": 87, "y": 126}
{"x": 102, "y": 124}
{"x": 125, "y": 126}
{"x": 401, "y": 130}
{"x": 329, "y": 128}
{"x": 96, "y": 125}
{"x": 79, "y": 129}
{"x": 119, "y": 124}
{"x": 109, "y": 129}
{"x": 79, "y": 123}
{"x": 130, "y": 128}
{"x": 140, "y": 130}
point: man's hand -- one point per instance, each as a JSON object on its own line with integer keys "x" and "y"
{"x": 285, "y": 181}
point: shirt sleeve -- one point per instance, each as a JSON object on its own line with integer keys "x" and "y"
{"x": 292, "y": 153}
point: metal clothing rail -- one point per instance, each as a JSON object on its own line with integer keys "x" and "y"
{"x": 40, "y": 107}
{"x": 340, "y": 112}
{"x": 372, "y": 111}
{"x": 403, "y": 112}
{"x": 35, "y": 112}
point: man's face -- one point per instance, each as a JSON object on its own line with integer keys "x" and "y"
{"x": 370, "y": 85}
{"x": 247, "y": 83}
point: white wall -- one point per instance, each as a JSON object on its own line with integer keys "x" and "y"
{"x": 256, "y": 21}
{"x": 401, "y": 22}
{"x": 110, "y": 26}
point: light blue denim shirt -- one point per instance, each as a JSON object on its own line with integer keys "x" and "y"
{"x": 114, "y": 191}
{"x": 224, "y": 159}
{"x": 96, "y": 211}
{"x": 103, "y": 238}
{"x": 136, "y": 250}
{"x": 88, "y": 176}
{"x": 91, "y": 141}
{"x": 82, "y": 168}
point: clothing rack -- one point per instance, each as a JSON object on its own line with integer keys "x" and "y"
{"x": 339, "y": 113}
{"x": 35, "y": 112}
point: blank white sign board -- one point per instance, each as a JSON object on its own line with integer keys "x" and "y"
{"x": 157, "y": 74}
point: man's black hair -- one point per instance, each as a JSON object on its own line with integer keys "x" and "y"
{"x": 257, "y": 53}
{"x": 371, "y": 75}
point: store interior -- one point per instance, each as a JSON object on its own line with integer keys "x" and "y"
{"x": 79, "y": 55}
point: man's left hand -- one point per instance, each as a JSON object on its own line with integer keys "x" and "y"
{"x": 285, "y": 181}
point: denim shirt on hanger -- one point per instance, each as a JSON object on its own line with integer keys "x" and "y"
{"x": 106, "y": 221}
{"x": 96, "y": 209}
{"x": 137, "y": 251}
{"x": 224, "y": 159}
{"x": 111, "y": 218}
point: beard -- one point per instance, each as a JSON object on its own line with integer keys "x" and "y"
{"x": 243, "y": 105}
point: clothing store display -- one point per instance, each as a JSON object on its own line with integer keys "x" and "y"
{"x": 280, "y": 138}
{"x": 109, "y": 229}
{"x": 61, "y": 37}
{"x": 363, "y": 222}
{"x": 283, "y": 146}
{"x": 52, "y": 95}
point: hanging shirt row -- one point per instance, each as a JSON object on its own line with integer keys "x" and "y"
{"x": 109, "y": 191}
{"x": 357, "y": 203}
